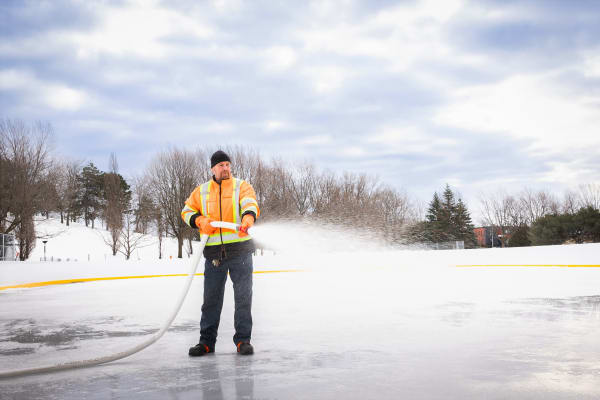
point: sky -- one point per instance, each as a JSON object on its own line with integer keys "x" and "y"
{"x": 483, "y": 95}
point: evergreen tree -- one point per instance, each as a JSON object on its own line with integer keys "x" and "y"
{"x": 581, "y": 227}
{"x": 551, "y": 229}
{"x": 587, "y": 221}
{"x": 432, "y": 229}
{"x": 446, "y": 220}
{"x": 90, "y": 199}
{"x": 464, "y": 225}
{"x": 434, "y": 210}
{"x": 520, "y": 237}
{"x": 448, "y": 214}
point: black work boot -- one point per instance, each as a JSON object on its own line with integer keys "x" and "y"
{"x": 245, "y": 348}
{"x": 201, "y": 349}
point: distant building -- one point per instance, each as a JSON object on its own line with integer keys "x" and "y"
{"x": 486, "y": 235}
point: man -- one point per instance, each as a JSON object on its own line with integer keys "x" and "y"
{"x": 224, "y": 198}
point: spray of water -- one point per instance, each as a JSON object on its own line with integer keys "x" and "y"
{"x": 291, "y": 237}
{"x": 317, "y": 245}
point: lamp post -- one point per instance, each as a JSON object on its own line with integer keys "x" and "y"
{"x": 44, "y": 241}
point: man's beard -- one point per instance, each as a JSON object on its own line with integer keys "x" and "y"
{"x": 223, "y": 176}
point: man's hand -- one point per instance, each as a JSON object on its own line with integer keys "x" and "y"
{"x": 205, "y": 227}
{"x": 247, "y": 223}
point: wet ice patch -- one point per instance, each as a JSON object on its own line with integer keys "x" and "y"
{"x": 18, "y": 351}
{"x": 16, "y": 333}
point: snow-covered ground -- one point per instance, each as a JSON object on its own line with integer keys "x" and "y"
{"x": 355, "y": 321}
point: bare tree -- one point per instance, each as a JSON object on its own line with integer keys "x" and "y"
{"x": 534, "y": 205}
{"x": 243, "y": 162}
{"x": 129, "y": 240}
{"x": 326, "y": 195}
{"x": 589, "y": 195}
{"x": 25, "y": 234}
{"x": 174, "y": 175}
{"x": 61, "y": 184}
{"x": 570, "y": 203}
{"x": 25, "y": 160}
{"x": 302, "y": 183}
{"x": 202, "y": 168}
{"x": 49, "y": 189}
{"x": 144, "y": 207}
{"x": 160, "y": 230}
{"x": 392, "y": 212}
{"x": 190, "y": 235}
{"x": 114, "y": 203}
{"x": 72, "y": 188}
{"x": 499, "y": 210}
{"x": 355, "y": 192}
{"x": 24, "y": 150}
{"x": 259, "y": 180}
{"x": 277, "y": 194}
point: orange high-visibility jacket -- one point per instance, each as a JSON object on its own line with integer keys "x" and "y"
{"x": 228, "y": 201}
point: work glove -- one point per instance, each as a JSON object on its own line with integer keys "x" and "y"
{"x": 247, "y": 223}
{"x": 205, "y": 227}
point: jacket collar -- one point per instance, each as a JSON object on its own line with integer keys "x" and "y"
{"x": 224, "y": 182}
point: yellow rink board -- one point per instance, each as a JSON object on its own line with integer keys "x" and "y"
{"x": 112, "y": 278}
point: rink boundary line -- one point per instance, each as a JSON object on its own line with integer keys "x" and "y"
{"x": 112, "y": 278}
{"x": 533, "y": 265}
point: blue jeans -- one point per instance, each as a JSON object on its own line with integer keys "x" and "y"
{"x": 240, "y": 270}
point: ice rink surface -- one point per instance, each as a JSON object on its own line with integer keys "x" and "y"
{"x": 354, "y": 325}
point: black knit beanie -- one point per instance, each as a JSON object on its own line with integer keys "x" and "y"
{"x": 217, "y": 157}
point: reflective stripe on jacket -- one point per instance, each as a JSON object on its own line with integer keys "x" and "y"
{"x": 228, "y": 202}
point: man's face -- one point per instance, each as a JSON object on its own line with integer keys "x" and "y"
{"x": 222, "y": 171}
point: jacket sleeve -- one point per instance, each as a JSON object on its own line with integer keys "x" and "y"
{"x": 248, "y": 203}
{"x": 190, "y": 213}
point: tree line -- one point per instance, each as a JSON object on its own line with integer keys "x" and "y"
{"x": 284, "y": 192}
{"x": 152, "y": 201}
{"x": 524, "y": 219}
{"x": 35, "y": 182}
{"x": 543, "y": 218}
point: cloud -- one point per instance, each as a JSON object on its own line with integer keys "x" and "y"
{"x": 317, "y": 140}
{"x": 136, "y": 29}
{"x": 279, "y": 58}
{"x": 580, "y": 165}
{"x": 591, "y": 64}
{"x": 327, "y": 78}
{"x": 397, "y": 36}
{"x": 14, "y": 79}
{"x": 63, "y": 98}
{"x": 55, "y": 95}
{"x": 274, "y": 125}
{"x": 525, "y": 106}
{"x": 410, "y": 139}
{"x": 352, "y": 151}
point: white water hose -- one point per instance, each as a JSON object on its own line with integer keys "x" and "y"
{"x": 141, "y": 346}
